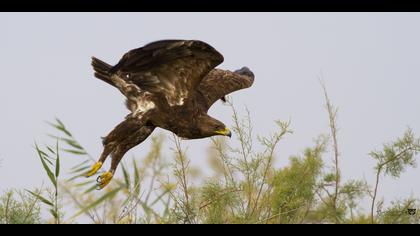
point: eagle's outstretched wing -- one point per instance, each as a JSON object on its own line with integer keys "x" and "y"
{"x": 219, "y": 83}
{"x": 171, "y": 67}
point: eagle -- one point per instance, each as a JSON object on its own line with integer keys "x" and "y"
{"x": 170, "y": 84}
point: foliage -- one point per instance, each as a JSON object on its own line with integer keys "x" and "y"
{"x": 48, "y": 161}
{"x": 398, "y": 213}
{"x": 246, "y": 186}
{"x": 393, "y": 160}
{"x": 17, "y": 207}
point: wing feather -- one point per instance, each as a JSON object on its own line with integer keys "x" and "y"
{"x": 218, "y": 83}
{"x": 171, "y": 67}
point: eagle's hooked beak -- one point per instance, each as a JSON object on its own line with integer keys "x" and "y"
{"x": 225, "y": 132}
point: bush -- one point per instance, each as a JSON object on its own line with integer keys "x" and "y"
{"x": 18, "y": 207}
{"x": 246, "y": 187}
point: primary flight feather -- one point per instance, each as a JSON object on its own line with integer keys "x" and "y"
{"x": 169, "y": 84}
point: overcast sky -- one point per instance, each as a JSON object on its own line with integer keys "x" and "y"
{"x": 369, "y": 61}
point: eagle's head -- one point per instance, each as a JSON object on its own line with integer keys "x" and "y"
{"x": 210, "y": 127}
{"x": 245, "y": 71}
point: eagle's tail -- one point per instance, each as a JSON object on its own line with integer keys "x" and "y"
{"x": 101, "y": 70}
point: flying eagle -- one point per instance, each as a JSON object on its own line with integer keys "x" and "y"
{"x": 169, "y": 84}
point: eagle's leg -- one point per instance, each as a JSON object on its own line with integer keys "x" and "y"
{"x": 111, "y": 141}
{"x": 118, "y": 153}
{"x": 98, "y": 165}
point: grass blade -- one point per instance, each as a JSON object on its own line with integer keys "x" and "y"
{"x": 57, "y": 162}
{"x": 70, "y": 142}
{"x": 160, "y": 197}
{"x": 60, "y": 126}
{"x": 81, "y": 169}
{"x": 85, "y": 183}
{"x": 46, "y": 168}
{"x": 41, "y": 198}
{"x": 136, "y": 178}
{"x": 77, "y": 152}
{"x": 126, "y": 176}
{"x": 97, "y": 202}
{"x": 94, "y": 187}
{"x": 79, "y": 165}
{"x": 76, "y": 177}
{"x": 51, "y": 150}
{"x": 54, "y": 213}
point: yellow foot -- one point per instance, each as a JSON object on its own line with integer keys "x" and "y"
{"x": 104, "y": 179}
{"x": 94, "y": 169}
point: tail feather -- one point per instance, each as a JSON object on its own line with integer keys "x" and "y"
{"x": 102, "y": 70}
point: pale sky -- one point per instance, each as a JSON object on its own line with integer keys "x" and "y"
{"x": 369, "y": 61}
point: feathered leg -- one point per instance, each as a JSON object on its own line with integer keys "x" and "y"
{"x": 125, "y": 130}
{"x": 117, "y": 135}
{"x": 121, "y": 148}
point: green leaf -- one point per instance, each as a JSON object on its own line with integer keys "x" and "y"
{"x": 46, "y": 168}
{"x": 94, "y": 187}
{"x": 44, "y": 154}
{"x": 330, "y": 177}
{"x": 136, "y": 178}
{"x": 75, "y": 177}
{"x": 46, "y": 157}
{"x": 47, "y": 160}
{"x": 74, "y": 144}
{"x": 41, "y": 198}
{"x": 85, "y": 183}
{"x": 126, "y": 176}
{"x": 75, "y": 151}
{"x": 50, "y": 149}
{"x": 57, "y": 162}
{"x": 160, "y": 197}
{"x": 81, "y": 169}
{"x": 54, "y": 213}
{"x": 97, "y": 202}
{"x": 62, "y": 127}
{"x": 70, "y": 142}
{"x": 79, "y": 165}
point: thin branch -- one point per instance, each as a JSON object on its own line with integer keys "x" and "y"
{"x": 218, "y": 197}
{"x": 244, "y": 150}
{"x": 279, "y": 214}
{"x": 80, "y": 205}
{"x": 32, "y": 207}
{"x": 227, "y": 166}
{"x": 273, "y": 146}
{"x": 182, "y": 175}
{"x": 6, "y": 214}
{"x": 332, "y": 115}
{"x": 378, "y": 173}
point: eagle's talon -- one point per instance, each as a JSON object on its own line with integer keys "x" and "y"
{"x": 94, "y": 169}
{"x": 104, "y": 179}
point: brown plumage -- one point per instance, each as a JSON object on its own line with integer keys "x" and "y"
{"x": 169, "y": 84}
